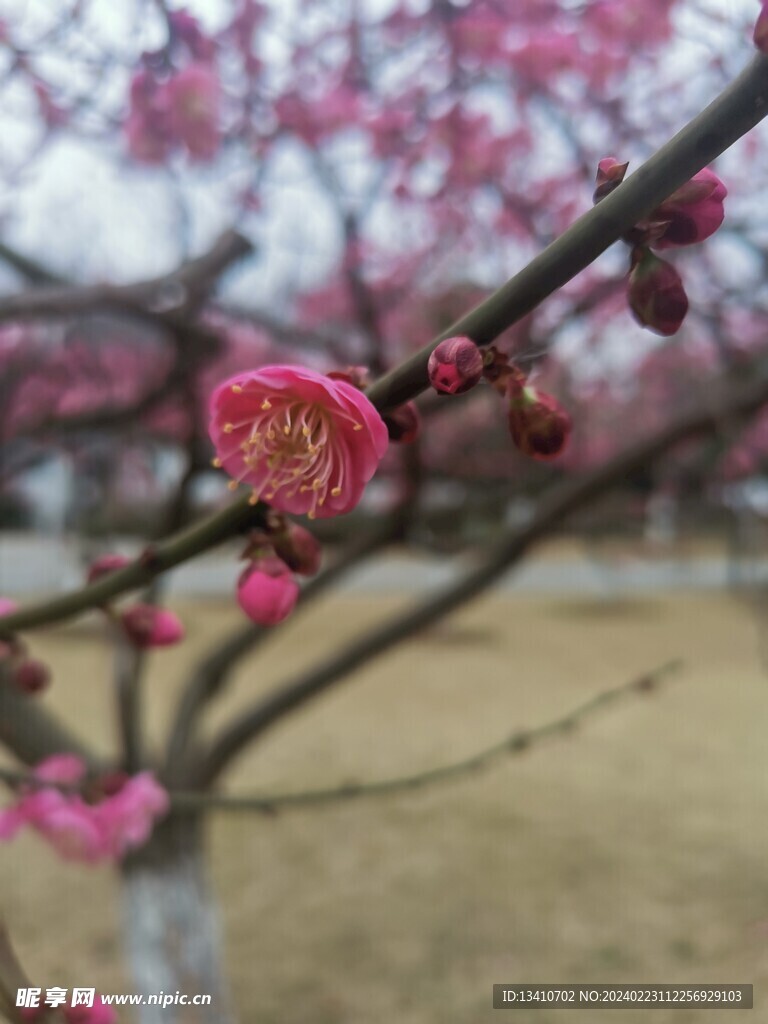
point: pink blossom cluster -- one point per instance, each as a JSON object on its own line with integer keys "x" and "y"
{"x": 175, "y": 97}
{"x": 306, "y": 443}
{"x": 693, "y": 213}
{"x": 119, "y": 820}
{"x": 178, "y": 112}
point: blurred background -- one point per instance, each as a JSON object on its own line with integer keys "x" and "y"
{"x": 187, "y": 191}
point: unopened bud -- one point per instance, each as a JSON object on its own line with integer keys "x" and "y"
{"x": 298, "y": 548}
{"x": 539, "y": 425}
{"x": 31, "y": 675}
{"x": 455, "y": 366}
{"x": 403, "y": 423}
{"x": 267, "y": 592}
{"x": 656, "y": 294}
{"x": 149, "y": 626}
{"x": 610, "y": 174}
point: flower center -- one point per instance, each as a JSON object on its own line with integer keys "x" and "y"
{"x": 290, "y": 445}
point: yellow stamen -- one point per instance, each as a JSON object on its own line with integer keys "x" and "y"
{"x": 336, "y": 492}
{"x": 266, "y": 404}
{"x": 311, "y": 515}
{"x": 236, "y": 389}
{"x": 228, "y": 428}
{"x": 232, "y": 485}
{"x": 358, "y": 426}
{"x": 216, "y": 463}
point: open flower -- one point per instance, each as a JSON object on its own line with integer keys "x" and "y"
{"x": 305, "y": 443}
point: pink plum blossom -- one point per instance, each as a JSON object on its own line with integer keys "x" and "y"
{"x": 77, "y": 829}
{"x": 305, "y": 443}
{"x": 193, "y": 97}
{"x": 267, "y": 592}
{"x": 146, "y": 127}
{"x": 149, "y": 626}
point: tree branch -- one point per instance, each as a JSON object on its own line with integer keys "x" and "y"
{"x": 738, "y": 401}
{"x": 741, "y": 106}
{"x": 519, "y": 742}
{"x": 167, "y": 295}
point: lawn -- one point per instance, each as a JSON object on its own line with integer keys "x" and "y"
{"x": 630, "y": 850}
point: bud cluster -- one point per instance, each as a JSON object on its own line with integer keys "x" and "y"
{"x": 538, "y": 424}
{"x": 655, "y": 291}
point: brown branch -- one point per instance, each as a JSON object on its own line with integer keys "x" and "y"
{"x": 736, "y": 402}
{"x": 178, "y": 292}
{"x": 32, "y": 732}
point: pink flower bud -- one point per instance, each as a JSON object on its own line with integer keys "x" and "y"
{"x": 692, "y": 213}
{"x": 31, "y": 676}
{"x": 298, "y": 548}
{"x": 656, "y": 294}
{"x": 403, "y": 423}
{"x": 149, "y": 626}
{"x": 267, "y": 592}
{"x": 539, "y": 425}
{"x": 455, "y": 366}
{"x": 105, "y": 564}
{"x": 760, "y": 36}
{"x": 610, "y": 174}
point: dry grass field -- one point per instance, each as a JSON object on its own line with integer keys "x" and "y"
{"x": 632, "y": 850}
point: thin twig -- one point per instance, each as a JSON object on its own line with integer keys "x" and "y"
{"x": 519, "y": 742}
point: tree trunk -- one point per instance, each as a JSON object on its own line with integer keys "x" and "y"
{"x": 170, "y": 926}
